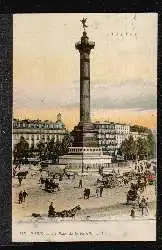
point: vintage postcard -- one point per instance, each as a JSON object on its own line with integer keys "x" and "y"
{"x": 84, "y": 127}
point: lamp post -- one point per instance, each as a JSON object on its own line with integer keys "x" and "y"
{"x": 82, "y": 162}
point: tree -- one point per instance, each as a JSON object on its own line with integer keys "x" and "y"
{"x": 134, "y": 149}
{"x": 151, "y": 145}
{"x": 21, "y": 149}
{"x": 66, "y": 143}
{"x": 53, "y": 150}
{"x": 142, "y": 148}
{"x": 124, "y": 149}
{"x": 41, "y": 148}
{"x": 139, "y": 129}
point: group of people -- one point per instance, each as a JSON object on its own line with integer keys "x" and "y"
{"x": 143, "y": 205}
{"x": 22, "y": 196}
{"x": 99, "y": 190}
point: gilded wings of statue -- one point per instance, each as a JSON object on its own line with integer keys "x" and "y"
{"x": 83, "y": 21}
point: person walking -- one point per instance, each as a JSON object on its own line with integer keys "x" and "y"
{"x": 20, "y": 180}
{"x": 80, "y": 183}
{"x": 101, "y": 190}
{"x": 14, "y": 172}
{"x": 97, "y": 192}
{"x": 51, "y": 210}
{"x": 142, "y": 205}
{"x": 20, "y": 197}
{"x": 138, "y": 197}
{"x": 132, "y": 214}
{"x": 147, "y": 207}
{"x": 24, "y": 195}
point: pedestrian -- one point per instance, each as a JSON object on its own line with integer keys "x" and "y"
{"x": 46, "y": 184}
{"x": 60, "y": 178}
{"x": 87, "y": 168}
{"x": 20, "y": 197}
{"x": 141, "y": 168}
{"x": 20, "y": 180}
{"x": 24, "y": 195}
{"x": 97, "y": 191}
{"x": 41, "y": 179}
{"x": 101, "y": 190}
{"x": 80, "y": 183}
{"x": 51, "y": 210}
{"x": 14, "y": 172}
{"x": 138, "y": 197}
{"x": 142, "y": 205}
{"x": 146, "y": 207}
{"x": 132, "y": 214}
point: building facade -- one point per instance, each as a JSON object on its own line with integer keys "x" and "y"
{"x": 106, "y": 136}
{"x": 122, "y": 132}
{"x": 34, "y": 131}
{"x": 111, "y": 135}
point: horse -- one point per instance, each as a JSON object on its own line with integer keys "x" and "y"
{"x": 67, "y": 213}
{"x": 86, "y": 193}
{"x": 36, "y": 215}
{"x": 73, "y": 211}
{"x": 22, "y": 174}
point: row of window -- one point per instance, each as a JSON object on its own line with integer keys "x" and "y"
{"x": 108, "y": 141}
{"x": 103, "y": 131}
{"x": 111, "y": 146}
{"x": 38, "y": 126}
{"x": 106, "y": 136}
{"x": 124, "y": 129}
{"x": 36, "y": 137}
{"x": 105, "y": 126}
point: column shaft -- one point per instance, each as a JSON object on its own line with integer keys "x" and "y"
{"x": 84, "y": 88}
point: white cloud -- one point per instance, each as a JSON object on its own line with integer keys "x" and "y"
{"x": 134, "y": 94}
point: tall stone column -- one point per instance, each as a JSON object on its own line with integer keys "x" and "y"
{"x": 84, "y": 46}
{"x": 85, "y": 133}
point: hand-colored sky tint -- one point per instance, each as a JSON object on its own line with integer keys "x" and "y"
{"x": 123, "y": 66}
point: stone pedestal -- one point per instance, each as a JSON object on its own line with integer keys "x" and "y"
{"x": 83, "y": 157}
{"x": 85, "y": 135}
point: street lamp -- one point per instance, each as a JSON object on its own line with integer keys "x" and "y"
{"x": 82, "y": 162}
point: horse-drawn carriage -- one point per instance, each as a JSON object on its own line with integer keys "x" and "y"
{"x": 51, "y": 185}
{"x": 132, "y": 196}
{"x": 59, "y": 171}
{"x": 110, "y": 181}
{"x": 64, "y": 213}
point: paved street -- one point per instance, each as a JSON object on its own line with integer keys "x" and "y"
{"x": 111, "y": 204}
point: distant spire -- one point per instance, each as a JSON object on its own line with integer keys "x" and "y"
{"x": 59, "y": 117}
